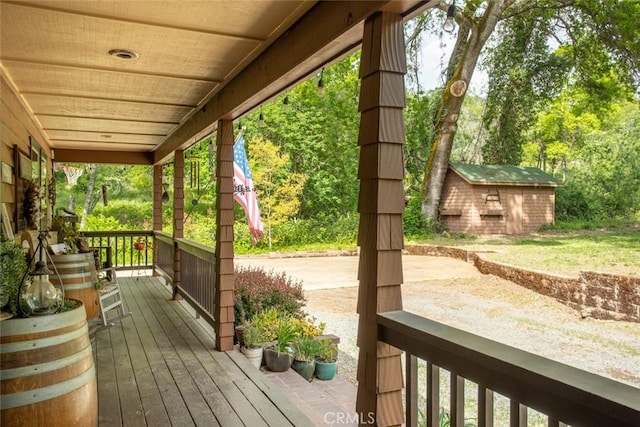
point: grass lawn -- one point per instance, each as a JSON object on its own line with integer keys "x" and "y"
{"x": 610, "y": 251}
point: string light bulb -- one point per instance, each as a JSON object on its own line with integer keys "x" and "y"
{"x": 450, "y": 22}
{"x": 321, "y": 83}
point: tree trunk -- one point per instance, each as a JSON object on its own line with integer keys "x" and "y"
{"x": 87, "y": 209}
{"x": 447, "y": 117}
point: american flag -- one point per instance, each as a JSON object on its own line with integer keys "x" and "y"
{"x": 243, "y": 190}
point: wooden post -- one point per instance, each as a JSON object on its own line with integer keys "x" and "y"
{"x": 178, "y": 215}
{"x": 381, "y": 204}
{"x": 157, "y": 207}
{"x": 224, "y": 317}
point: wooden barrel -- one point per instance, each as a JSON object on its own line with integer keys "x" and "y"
{"x": 78, "y": 277}
{"x": 48, "y": 375}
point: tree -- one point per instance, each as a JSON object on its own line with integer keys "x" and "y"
{"x": 539, "y": 46}
{"x": 472, "y": 36}
{"x": 278, "y": 188}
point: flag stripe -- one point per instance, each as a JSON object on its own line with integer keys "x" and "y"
{"x": 244, "y": 191}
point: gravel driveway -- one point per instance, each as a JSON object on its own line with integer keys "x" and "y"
{"x": 453, "y": 292}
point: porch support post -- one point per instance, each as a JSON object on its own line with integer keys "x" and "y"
{"x": 381, "y": 203}
{"x": 224, "y": 317}
{"x": 178, "y": 215}
{"x": 157, "y": 207}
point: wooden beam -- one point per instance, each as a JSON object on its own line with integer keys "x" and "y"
{"x": 101, "y": 156}
{"x": 300, "y": 45}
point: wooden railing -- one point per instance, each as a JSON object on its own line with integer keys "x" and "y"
{"x": 164, "y": 250}
{"x": 119, "y": 247}
{"x": 198, "y": 277}
{"x": 197, "y": 271}
{"x": 558, "y": 394}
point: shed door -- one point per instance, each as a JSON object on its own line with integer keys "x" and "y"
{"x": 514, "y": 212}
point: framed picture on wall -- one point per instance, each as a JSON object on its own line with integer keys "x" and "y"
{"x": 7, "y": 173}
{"x": 25, "y": 166}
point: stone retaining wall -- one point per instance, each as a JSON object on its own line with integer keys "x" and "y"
{"x": 600, "y": 295}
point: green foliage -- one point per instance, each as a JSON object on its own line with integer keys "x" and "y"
{"x": 328, "y": 351}
{"x": 267, "y": 321}
{"x": 306, "y": 349}
{"x": 13, "y": 267}
{"x": 253, "y": 336}
{"x": 299, "y": 233}
{"x": 285, "y": 335}
{"x": 128, "y": 214}
{"x": 413, "y": 221}
{"x": 319, "y": 134}
{"x": 605, "y": 181}
{"x": 257, "y": 290}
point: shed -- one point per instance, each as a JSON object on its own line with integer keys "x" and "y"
{"x": 496, "y": 199}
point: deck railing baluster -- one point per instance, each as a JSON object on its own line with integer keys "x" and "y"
{"x": 433, "y": 395}
{"x": 485, "y": 407}
{"x": 517, "y": 414}
{"x": 456, "y": 406}
{"x": 411, "y": 372}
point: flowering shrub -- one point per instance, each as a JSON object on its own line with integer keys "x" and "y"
{"x": 257, "y": 290}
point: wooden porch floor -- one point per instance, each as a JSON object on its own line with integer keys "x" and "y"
{"x": 159, "y": 367}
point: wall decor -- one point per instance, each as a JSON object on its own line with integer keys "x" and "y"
{"x": 7, "y": 173}
{"x": 25, "y": 167}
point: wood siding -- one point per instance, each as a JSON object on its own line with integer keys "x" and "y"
{"x": 17, "y": 126}
{"x": 495, "y": 209}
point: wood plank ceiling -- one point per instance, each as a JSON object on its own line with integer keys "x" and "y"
{"x": 55, "y": 56}
{"x": 56, "y": 53}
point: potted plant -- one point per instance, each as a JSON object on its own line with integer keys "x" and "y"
{"x": 253, "y": 344}
{"x": 327, "y": 360}
{"x": 305, "y": 350}
{"x": 139, "y": 244}
{"x": 14, "y": 266}
{"x": 278, "y": 356}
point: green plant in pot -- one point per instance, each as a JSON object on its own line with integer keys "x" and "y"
{"x": 305, "y": 350}
{"x": 253, "y": 344}
{"x": 14, "y": 266}
{"x": 327, "y": 360}
{"x": 278, "y": 356}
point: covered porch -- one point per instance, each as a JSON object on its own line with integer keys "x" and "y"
{"x": 162, "y": 370}
{"x": 159, "y": 367}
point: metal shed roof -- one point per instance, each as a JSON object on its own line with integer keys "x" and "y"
{"x": 504, "y": 175}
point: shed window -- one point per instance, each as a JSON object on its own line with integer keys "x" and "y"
{"x": 493, "y": 195}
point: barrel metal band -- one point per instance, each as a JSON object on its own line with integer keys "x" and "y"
{"x": 29, "y": 397}
{"x": 40, "y": 368}
{"x": 35, "y": 324}
{"x": 44, "y": 342}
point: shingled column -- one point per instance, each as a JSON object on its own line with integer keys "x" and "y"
{"x": 223, "y": 314}
{"x": 381, "y": 203}
{"x": 157, "y": 207}
{"x": 178, "y": 216}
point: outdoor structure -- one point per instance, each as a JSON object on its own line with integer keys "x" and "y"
{"x": 134, "y": 82}
{"x": 497, "y": 199}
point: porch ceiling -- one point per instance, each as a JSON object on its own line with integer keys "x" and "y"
{"x": 55, "y": 55}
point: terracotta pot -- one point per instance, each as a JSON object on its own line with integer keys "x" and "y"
{"x": 139, "y": 246}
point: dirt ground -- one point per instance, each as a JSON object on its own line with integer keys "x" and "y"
{"x": 453, "y": 292}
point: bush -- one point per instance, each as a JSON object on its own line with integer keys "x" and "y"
{"x": 257, "y": 290}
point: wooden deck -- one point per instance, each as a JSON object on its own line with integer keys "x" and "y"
{"x": 159, "y": 367}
